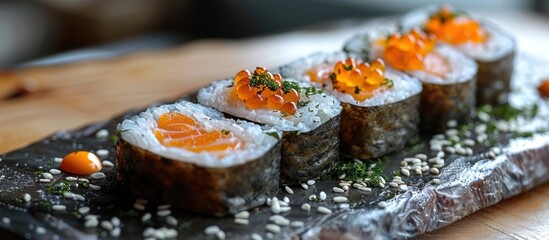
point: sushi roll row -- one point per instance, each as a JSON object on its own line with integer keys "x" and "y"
{"x": 259, "y": 129}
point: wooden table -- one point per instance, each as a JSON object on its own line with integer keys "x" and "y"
{"x": 68, "y": 96}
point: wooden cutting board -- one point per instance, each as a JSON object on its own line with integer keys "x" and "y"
{"x": 71, "y": 95}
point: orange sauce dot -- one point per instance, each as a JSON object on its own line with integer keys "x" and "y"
{"x": 543, "y": 88}
{"x": 81, "y": 163}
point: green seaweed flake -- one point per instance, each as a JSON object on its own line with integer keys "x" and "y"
{"x": 360, "y": 171}
{"x": 58, "y": 188}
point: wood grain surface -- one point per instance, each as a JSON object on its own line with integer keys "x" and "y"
{"x": 35, "y": 102}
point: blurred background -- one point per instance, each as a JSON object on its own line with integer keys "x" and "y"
{"x": 33, "y": 29}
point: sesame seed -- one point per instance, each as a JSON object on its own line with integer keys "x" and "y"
{"x": 255, "y": 236}
{"x": 452, "y": 123}
{"x": 304, "y": 186}
{"x": 425, "y": 169}
{"x": 57, "y": 159}
{"x": 285, "y": 209}
{"x": 149, "y": 232}
{"x": 279, "y": 220}
{"x": 106, "y": 225}
{"x": 322, "y": 196}
{"x": 345, "y": 188}
{"x": 440, "y": 154}
{"x": 286, "y": 200}
{"x": 382, "y": 204}
{"x": 469, "y": 151}
{"x": 482, "y": 137}
{"x": 461, "y": 151}
{"x": 275, "y": 206}
{"x": 211, "y": 230}
{"x": 95, "y": 187}
{"x": 436, "y": 181}
{"x": 115, "y": 221}
{"x": 365, "y": 189}
{"x": 403, "y": 163}
{"x": 469, "y": 142}
{"x": 418, "y": 171}
{"x": 306, "y": 207}
{"x": 311, "y": 182}
{"x": 340, "y": 199}
{"x": 171, "y": 220}
{"x": 344, "y": 206}
{"x": 59, "y": 207}
{"x": 272, "y": 228}
{"x": 342, "y": 176}
{"x": 496, "y": 150}
{"x": 43, "y": 180}
{"x": 312, "y": 198}
{"x": 55, "y": 171}
{"x": 438, "y": 166}
{"x": 91, "y": 223}
{"x": 103, "y": 133}
{"x": 491, "y": 155}
{"x": 98, "y": 175}
{"x": 338, "y": 190}
{"x": 163, "y": 213}
{"x": 297, "y": 224}
{"x": 40, "y": 230}
{"x": 138, "y": 206}
{"x": 421, "y": 156}
{"x": 107, "y": 164}
{"x": 483, "y": 116}
{"x": 102, "y": 152}
{"x": 324, "y": 210}
{"x": 6, "y": 220}
{"x": 241, "y": 221}
{"x": 357, "y": 185}
{"x": 393, "y": 184}
{"x": 78, "y": 197}
{"x": 289, "y": 190}
{"x": 26, "y": 197}
{"x": 434, "y": 171}
{"x": 83, "y": 210}
{"x": 451, "y": 132}
{"x": 357, "y": 161}
{"x": 436, "y": 148}
{"x": 403, "y": 188}
{"x": 269, "y": 235}
{"x": 283, "y": 203}
{"x": 405, "y": 172}
{"x": 243, "y": 214}
{"x": 83, "y": 180}
{"x": 220, "y": 235}
{"x": 146, "y": 217}
{"x": 71, "y": 179}
{"x": 116, "y": 232}
{"x": 449, "y": 149}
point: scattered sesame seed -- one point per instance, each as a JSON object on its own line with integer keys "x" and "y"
{"x": 243, "y": 214}
{"x": 275, "y": 206}
{"x": 286, "y": 200}
{"x": 43, "y": 180}
{"x": 452, "y": 123}
{"x": 283, "y": 203}
{"x": 163, "y": 213}
{"x": 418, "y": 171}
{"x": 304, "y": 186}
{"x": 138, "y": 206}
{"x": 345, "y": 188}
{"x": 171, "y": 220}
{"x": 438, "y": 166}
{"x": 279, "y": 220}
{"x": 461, "y": 151}
{"x": 55, "y": 171}
{"x": 393, "y": 184}
{"x": 382, "y": 204}
{"x": 312, "y": 197}
{"x": 434, "y": 171}
{"x": 91, "y": 223}
{"x": 289, "y": 190}
{"x": 40, "y": 230}
{"x": 98, "y": 175}
{"x": 340, "y": 199}
{"x": 149, "y": 232}
{"x": 469, "y": 142}
{"x": 365, "y": 189}
{"x": 241, "y": 221}
{"x": 269, "y": 235}
{"x": 357, "y": 161}
{"x": 106, "y": 225}
{"x": 220, "y": 235}
{"x": 83, "y": 180}
{"x": 146, "y": 217}
{"x": 436, "y": 181}
{"x": 342, "y": 176}
{"x": 306, "y": 207}
{"x": 95, "y": 187}
{"x": 338, "y": 190}
{"x": 425, "y": 169}
{"x": 78, "y": 197}
{"x": 26, "y": 197}
{"x": 84, "y": 210}
{"x": 272, "y": 228}
{"x": 71, "y": 179}
{"x": 285, "y": 209}
{"x": 344, "y": 206}
{"x": 297, "y": 224}
{"x": 107, "y": 164}
{"x": 59, "y": 207}
{"x": 469, "y": 151}
{"x": 68, "y": 195}
{"x": 403, "y": 188}
{"x": 6, "y": 220}
{"x": 436, "y": 148}
{"x": 211, "y": 230}
{"x": 449, "y": 149}
{"x": 57, "y": 159}
{"x": 115, "y": 232}
{"x": 483, "y": 116}
{"x": 491, "y": 155}
{"x": 255, "y": 236}
{"x": 102, "y": 152}
{"x": 421, "y": 156}
{"x": 311, "y": 182}
{"x": 103, "y": 133}
{"x": 322, "y": 196}
{"x": 405, "y": 172}
{"x": 324, "y": 210}
{"x": 115, "y": 221}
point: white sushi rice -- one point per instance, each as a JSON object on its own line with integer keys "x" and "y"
{"x": 321, "y": 108}
{"x": 404, "y": 86}
{"x": 139, "y": 131}
{"x": 497, "y": 45}
{"x": 462, "y": 68}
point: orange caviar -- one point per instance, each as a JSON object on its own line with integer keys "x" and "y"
{"x": 452, "y": 28}
{"x": 81, "y": 163}
{"x": 359, "y": 79}
{"x": 179, "y": 130}
{"x": 407, "y": 51}
{"x": 264, "y": 90}
{"x": 543, "y": 88}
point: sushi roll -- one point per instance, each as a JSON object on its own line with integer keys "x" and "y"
{"x": 190, "y": 156}
{"x": 492, "y": 48}
{"x": 448, "y": 76}
{"x": 308, "y": 117}
{"x": 380, "y": 105}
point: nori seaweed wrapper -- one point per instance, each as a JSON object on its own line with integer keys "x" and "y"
{"x": 216, "y": 191}
{"x": 494, "y": 80}
{"x": 309, "y": 155}
{"x": 440, "y": 103}
{"x": 369, "y": 132}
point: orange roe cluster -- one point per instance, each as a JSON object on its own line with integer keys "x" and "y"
{"x": 407, "y": 51}
{"x": 359, "y": 80}
{"x": 264, "y": 90}
{"x": 454, "y": 28}
{"x": 176, "y": 129}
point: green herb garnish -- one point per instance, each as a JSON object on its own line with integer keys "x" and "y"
{"x": 273, "y": 134}
{"x": 225, "y": 132}
{"x": 301, "y": 104}
{"x": 359, "y": 171}
{"x": 388, "y": 82}
{"x": 287, "y": 86}
{"x": 357, "y": 90}
{"x": 59, "y": 188}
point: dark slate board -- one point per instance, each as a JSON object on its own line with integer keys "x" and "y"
{"x": 467, "y": 185}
